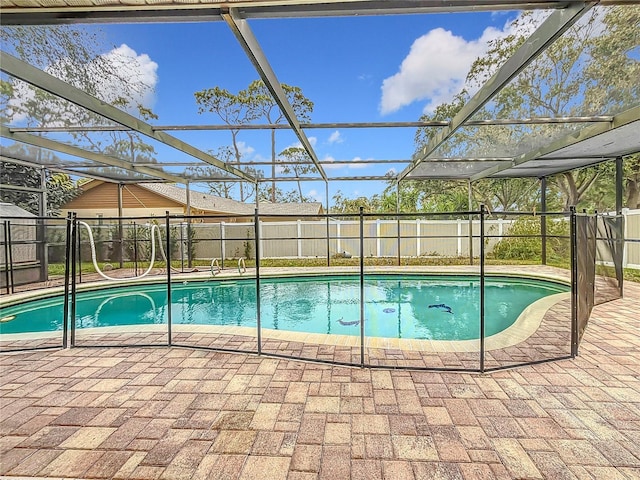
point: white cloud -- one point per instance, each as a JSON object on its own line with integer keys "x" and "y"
{"x": 136, "y": 81}
{"x": 357, "y": 163}
{"x": 434, "y": 69}
{"x": 329, "y": 165}
{"x": 312, "y": 140}
{"x": 140, "y": 71}
{"x": 244, "y": 149}
{"x": 437, "y": 65}
{"x": 335, "y": 137}
{"x": 315, "y": 195}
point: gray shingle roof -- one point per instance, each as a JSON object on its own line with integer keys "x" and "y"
{"x": 11, "y": 210}
{"x": 213, "y": 203}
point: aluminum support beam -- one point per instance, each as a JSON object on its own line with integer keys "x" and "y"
{"x": 52, "y": 168}
{"x": 43, "y": 142}
{"x": 249, "y": 43}
{"x": 20, "y": 188}
{"x": 624, "y": 118}
{"x": 281, "y": 126}
{"x": 619, "y": 185}
{"x": 552, "y": 28}
{"x": 23, "y": 71}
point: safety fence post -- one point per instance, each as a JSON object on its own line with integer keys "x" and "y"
{"x": 168, "y": 234}
{"x": 482, "y": 299}
{"x": 574, "y": 282}
{"x": 362, "y": 286}
{"x": 74, "y": 248}
{"x": 256, "y": 227}
{"x": 67, "y": 259}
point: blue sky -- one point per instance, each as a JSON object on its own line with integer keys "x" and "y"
{"x": 355, "y": 69}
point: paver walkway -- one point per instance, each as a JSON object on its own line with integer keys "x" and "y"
{"x": 175, "y": 413}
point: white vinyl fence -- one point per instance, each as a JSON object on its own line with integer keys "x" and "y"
{"x": 631, "y": 255}
{"x": 300, "y": 239}
{"x": 308, "y": 239}
{"x": 418, "y": 238}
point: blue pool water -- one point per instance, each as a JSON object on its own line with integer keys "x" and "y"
{"x": 422, "y": 307}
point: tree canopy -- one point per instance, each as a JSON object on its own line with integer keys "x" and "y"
{"x": 244, "y": 107}
{"x": 593, "y": 69}
{"x": 77, "y": 56}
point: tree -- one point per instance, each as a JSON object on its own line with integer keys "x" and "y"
{"x": 342, "y": 204}
{"x": 589, "y": 70}
{"x": 73, "y": 54}
{"x": 270, "y": 111}
{"x": 249, "y": 105}
{"x": 267, "y": 194}
{"x": 507, "y": 194}
{"x": 60, "y": 187}
{"x": 632, "y": 173}
{"x": 298, "y": 164}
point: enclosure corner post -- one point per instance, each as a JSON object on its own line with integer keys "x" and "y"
{"x": 7, "y": 264}
{"x": 79, "y": 253}
{"x": 41, "y": 234}
{"x": 168, "y": 241}
{"x": 256, "y": 227}
{"x": 326, "y": 191}
{"x": 470, "y": 207}
{"x": 482, "y": 299}
{"x": 398, "y": 220}
{"x": 619, "y": 184}
{"x": 120, "y": 226}
{"x": 189, "y": 234}
{"x": 574, "y": 282}
{"x": 222, "y": 245}
{"x": 9, "y": 258}
{"x": 361, "y": 286}
{"x": 543, "y": 218}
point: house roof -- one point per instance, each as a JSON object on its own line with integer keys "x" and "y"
{"x": 213, "y": 203}
{"x": 11, "y": 210}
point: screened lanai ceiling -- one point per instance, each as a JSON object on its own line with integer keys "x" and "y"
{"x": 476, "y": 141}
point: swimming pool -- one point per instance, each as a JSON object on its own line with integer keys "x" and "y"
{"x": 436, "y": 307}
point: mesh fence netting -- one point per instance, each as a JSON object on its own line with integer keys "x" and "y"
{"x": 600, "y": 242}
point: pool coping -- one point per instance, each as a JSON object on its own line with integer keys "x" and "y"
{"x": 524, "y": 326}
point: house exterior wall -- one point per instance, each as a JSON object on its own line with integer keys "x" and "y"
{"x": 102, "y": 201}
{"x": 97, "y": 212}
{"x": 105, "y": 195}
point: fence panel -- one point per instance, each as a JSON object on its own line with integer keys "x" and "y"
{"x": 387, "y": 231}
{"x": 279, "y": 239}
{"x": 314, "y": 243}
{"x": 206, "y": 240}
{"x": 439, "y": 239}
{"x": 632, "y": 234}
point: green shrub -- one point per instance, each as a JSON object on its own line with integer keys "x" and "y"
{"x": 525, "y": 242}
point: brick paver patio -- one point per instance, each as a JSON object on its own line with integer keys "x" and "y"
{"x": 177, "y": 413}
